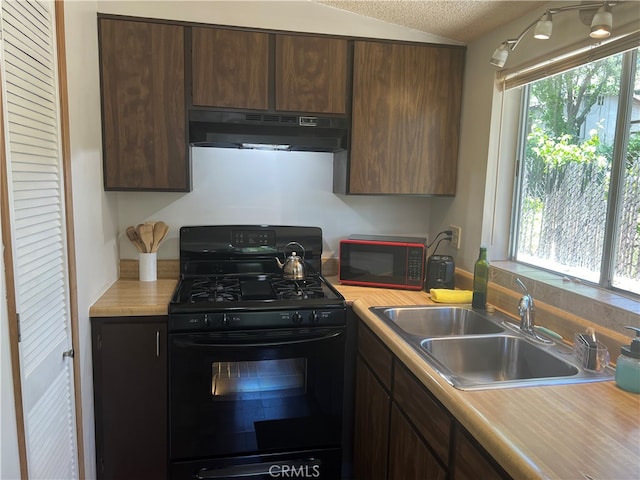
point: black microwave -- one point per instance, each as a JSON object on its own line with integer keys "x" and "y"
{"x": 382, "y": 261}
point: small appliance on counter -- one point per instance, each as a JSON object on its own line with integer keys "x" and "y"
{"x": 440, "y": 268}
{"x": 382, "y": 261}
{"x": 440, "y": 272}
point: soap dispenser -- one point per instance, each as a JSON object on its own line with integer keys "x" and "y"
{"x": 628, "y": 365}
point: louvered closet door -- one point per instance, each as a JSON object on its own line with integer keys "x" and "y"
{"x": 30, "y": 94}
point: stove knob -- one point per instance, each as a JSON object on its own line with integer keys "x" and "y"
{"x": 296, "y": 318}
{"x": 314, "y": 317}
{"x": 225, "y": 320}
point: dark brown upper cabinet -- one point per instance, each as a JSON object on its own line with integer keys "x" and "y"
{"x": 230, "y": 68}
{"x": 143, "y": 106}
{"x": 269, "y": 72}
{"x": 405, "y": 120}
{"x": 311, "y": 74}
{"x": 403, "y": 100}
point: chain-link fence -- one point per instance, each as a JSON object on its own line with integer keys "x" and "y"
{"x": 627, "y": 266}
{"x": 563, "y": 221}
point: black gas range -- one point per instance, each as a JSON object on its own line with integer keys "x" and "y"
{"x": 256, "y": 359}
{"x": 230, "y": 279}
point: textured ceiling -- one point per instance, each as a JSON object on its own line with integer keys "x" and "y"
{"x": 460, "y": 20}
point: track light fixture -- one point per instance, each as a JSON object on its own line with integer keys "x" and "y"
{"x": 500, "y": 55}
{"x": 602, "y": 22}
{"x": 544, "y": 27}
{"x": 600, "y": 27}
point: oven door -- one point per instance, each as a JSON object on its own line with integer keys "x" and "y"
{"x": 247, "y": 397}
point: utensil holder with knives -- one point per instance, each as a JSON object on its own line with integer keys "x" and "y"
{"x": 591, "y": 354}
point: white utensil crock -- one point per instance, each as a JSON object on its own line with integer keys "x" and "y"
{"x": 147, "y": 267}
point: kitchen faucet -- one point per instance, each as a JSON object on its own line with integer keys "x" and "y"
{"x": 527, "y": 311}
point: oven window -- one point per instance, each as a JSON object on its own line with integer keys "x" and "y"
{"x": 280, "y": 377}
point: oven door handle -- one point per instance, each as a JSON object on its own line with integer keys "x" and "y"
{"x": 266, "y": 343}
{"x": 310, "y": 467}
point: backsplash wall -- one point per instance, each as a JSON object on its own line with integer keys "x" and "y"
{"x": 232, "y": 186}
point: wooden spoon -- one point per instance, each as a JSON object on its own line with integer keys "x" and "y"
{"x": 134, "y": 238}
{"x": 146, "y": 235}
{"x": 160, "y": 230}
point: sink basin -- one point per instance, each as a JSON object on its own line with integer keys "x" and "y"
{"x": 473, "y": 350}
{"x": 492, "y": 360}
{"x": 438, "y": 321}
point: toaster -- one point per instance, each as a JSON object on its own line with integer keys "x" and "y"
{"x": 440, "y": 272}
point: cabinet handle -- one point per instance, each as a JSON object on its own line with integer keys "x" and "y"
{"x": 157, "y": 343}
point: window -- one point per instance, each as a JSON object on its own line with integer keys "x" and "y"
{"x": 577, "y": 202}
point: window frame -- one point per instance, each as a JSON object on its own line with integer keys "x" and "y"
{"x": 621, "y": 140}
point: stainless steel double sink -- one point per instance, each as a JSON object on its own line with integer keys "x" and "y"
{"x": 474, "y": 350}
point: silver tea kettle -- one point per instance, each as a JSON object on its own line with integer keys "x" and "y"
{"x": 293, "y": 268}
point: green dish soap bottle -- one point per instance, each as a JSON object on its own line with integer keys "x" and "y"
{"x": 628, "y": 365}
{"x": 480, "y": 280}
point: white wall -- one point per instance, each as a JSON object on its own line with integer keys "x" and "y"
{"x": 95, "y": 212}
{"x": 280, "y": 188}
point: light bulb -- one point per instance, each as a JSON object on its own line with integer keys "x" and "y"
{"x": 544, "y": 27}
{"x": 500, "y": 56}
{"x": 602, "y": 22}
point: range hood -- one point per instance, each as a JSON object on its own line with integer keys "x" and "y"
{"x": 271, "y": 131}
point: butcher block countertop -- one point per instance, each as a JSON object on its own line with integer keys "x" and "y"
{"x": 581, "y": 431}
{"x": 128, "y": 297}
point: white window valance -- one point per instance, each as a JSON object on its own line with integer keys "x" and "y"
{"x": 563, "y": 61}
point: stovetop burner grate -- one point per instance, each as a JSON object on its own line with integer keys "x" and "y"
{"x": 215, "y": 290}
{"x": 298, "y": 289}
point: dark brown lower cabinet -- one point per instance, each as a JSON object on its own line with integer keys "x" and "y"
{"x": 471, "y": 462}
{"x": 371, "y": 435}
{"x": 429, "y": 418}
{"x": 130, "y": 397}
{"x": 402, "y": 432}
{"x": 409, "y": 457}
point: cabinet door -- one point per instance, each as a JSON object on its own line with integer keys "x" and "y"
{"x": 409, "y": 457}
{"x": 472, "y": 462}
{"x": 311, "y": 74}
{"x": 376, "y": 354}
{"x": 143, "y": 106}
{"x": 429, "y": 418}
{"x": 405, "y": 119}
{"x": 130, "y": 394}
{"x": 371, "y": 432}
{"x": 230, "y": 68}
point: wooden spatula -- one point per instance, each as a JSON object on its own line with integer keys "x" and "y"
{"x": 160, "y": 230}
{"x": 146, "y": 235}
{"x": 134, "y": 238}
